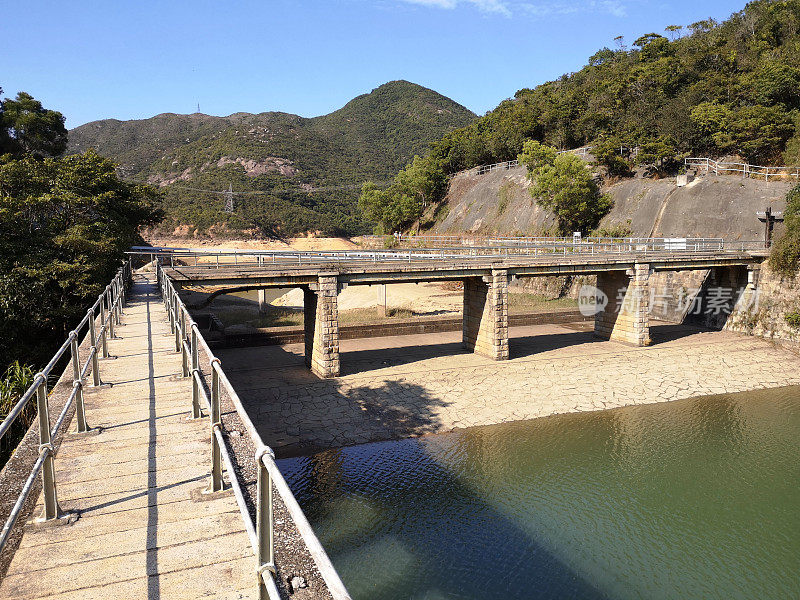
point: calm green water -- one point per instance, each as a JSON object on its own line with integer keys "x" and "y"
{"x": 690, "y": 499}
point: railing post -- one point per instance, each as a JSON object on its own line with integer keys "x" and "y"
{"x": 171, "y": 311}
{"x": 195, "y": 373}
{"x": 178, "y": 329}
{"x": 110, "y": 310}
{"x": 264, "y": 528}
{"x": 77, "y": 383}
{"x": 118, "y": 301}
{"x": 94, "y": 350}
{"x": 216, "y": 423}
{"x": 51, "y": 508}
{"x": 103, "y": 329}
{"x": 184, "y": 354}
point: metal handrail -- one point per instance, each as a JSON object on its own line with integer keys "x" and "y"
{"x": 746, "y": 169}
{"x": 522, "y": 248}
{"x": 189, "y": 341}
{"x": 110, "y": 304}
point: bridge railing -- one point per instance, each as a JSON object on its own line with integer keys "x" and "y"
{"x": 747, "y": 170}
{"x": 108, "y": 307}
{"x": 190, "y": 342}
{"x": 533, "y": 249}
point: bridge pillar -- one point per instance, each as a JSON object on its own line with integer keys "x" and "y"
{"x": 262, "y": 301}
{"x": 321, "y": 323}
{"x": 626, "y": 316}
{"x": 485, "y": 324}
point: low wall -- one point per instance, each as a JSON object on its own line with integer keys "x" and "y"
{"x": 269, "y": 336}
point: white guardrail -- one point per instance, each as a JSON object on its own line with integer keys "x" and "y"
{"x": 510, "y": 164}
{"x": 747, "y": 170}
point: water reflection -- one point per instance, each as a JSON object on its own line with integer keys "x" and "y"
{"x": 690, "y": 499}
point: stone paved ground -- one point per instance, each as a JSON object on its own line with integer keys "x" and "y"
{"x": 412, "y": 385}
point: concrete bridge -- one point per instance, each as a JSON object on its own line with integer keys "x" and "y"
{"x": 623, "y": 269}
{"x": 118, "y": 515}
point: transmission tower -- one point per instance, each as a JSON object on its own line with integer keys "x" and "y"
{"x": 229, "y": 199}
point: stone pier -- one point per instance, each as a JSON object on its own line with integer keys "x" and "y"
{"x": 262, "y": 301}
{"x": 485, "y": 326}
{"x": 321, "y": 322}
{"x": 625, "y": 317}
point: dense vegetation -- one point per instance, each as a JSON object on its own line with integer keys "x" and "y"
{"x": 785, "y": 254}
{"x": 564, "y": 185}
{"x": 64, "y": 224}
{"x": 277, "y": 157}
{"x": 722, "y": 88}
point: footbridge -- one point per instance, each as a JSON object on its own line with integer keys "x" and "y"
{"x": 143, "y": 476}
{"x": 623, "y": 268}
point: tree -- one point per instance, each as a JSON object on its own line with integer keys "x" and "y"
{"x": 27, "y": 127}
{"x": 784, "y": 256}
{"x": 423, "y": 179}
{"x": 64, "y": 225}
{"x": 563, "y": 184}
{"x": 674, "y": 31}
{"x": 608, "y": 153}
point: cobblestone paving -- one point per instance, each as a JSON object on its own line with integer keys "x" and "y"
{"x": 412, "y": 385}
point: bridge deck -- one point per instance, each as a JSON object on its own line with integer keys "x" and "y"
{"x": 445, "y": 267}
{"x": 143, "y": 531}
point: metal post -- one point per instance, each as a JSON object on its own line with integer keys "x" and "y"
{"x": 93, "y": 340}
{"x": 216, "y": 422}
{"x": 110, "y": 309}
{"x": 77, "y": 382}
{"x": 195, "y": 372}
{"x": 184, "y": 354}
{"x": 264, "y": 534}
{"x": 51, "y": 508}
{"x": 103, "y": 335}
{"x": 118, "y": 300}
{"x": 178, "y": 329}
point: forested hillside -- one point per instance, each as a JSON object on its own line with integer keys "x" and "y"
{"x": 280, "y": 157}
{"x": 706, "y": 88}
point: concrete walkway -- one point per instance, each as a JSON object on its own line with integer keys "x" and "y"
{"x": 144, "y": 528}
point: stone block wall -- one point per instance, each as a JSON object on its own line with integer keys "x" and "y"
{"x": 321, "y": 323}
{"x": 625, "y": 317}
{"x": 761, "y": 310}
{"x": 717, "y": 297}
{"x": 485, "y": 317}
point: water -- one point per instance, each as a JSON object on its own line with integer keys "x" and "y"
{"x": 691, "y": 499}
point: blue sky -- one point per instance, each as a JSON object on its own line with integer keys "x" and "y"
{"x": 131, "y": 60}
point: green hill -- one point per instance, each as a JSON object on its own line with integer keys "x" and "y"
{"x": 278, "y": 158}
{"x": 707, "y": 88}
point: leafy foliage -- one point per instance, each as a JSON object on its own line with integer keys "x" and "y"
{"x": 564, "y": 185}
{"x": 785, "y": 254}
{"x": 727, "y": 87}
{"x": 64, "y": 224}
{"x": 27, "y": 127}
{"x": 278, "y": 157}
{"x": 13, "y": 383}
{"x": 404, "y": 201}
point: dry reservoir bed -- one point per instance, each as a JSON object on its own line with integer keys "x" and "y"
{"x": 395, "y": 387}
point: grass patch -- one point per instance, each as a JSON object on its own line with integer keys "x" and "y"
{"x": 14, "y": 382}
{"x": 525, "y": 302}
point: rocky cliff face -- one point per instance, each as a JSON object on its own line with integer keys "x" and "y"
{"x": 710, "y": 206}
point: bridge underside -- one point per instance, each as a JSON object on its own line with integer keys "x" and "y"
{"x": 623, "y": 295}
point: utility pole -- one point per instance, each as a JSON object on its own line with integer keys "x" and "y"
{"x": 229, "y": 199}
